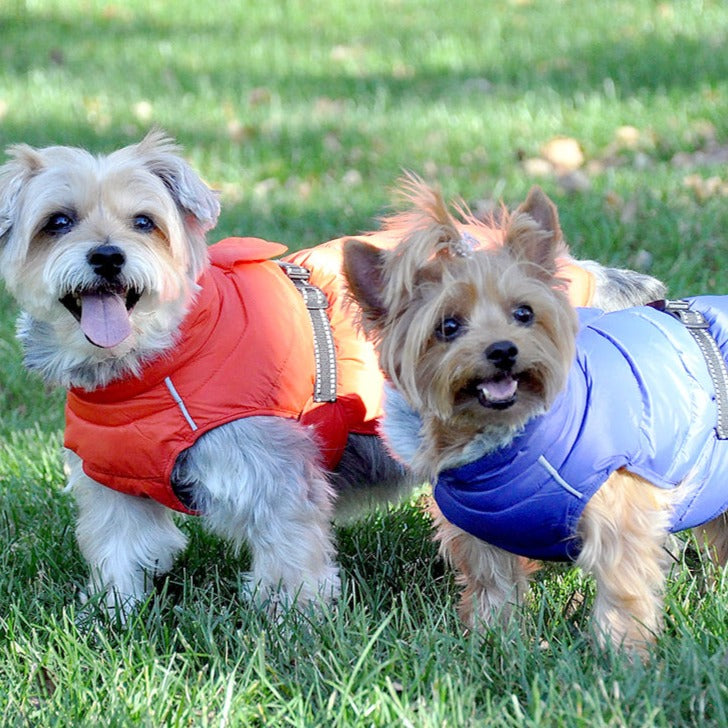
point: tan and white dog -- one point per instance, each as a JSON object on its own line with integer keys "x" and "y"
{"x": 107, "y": 258}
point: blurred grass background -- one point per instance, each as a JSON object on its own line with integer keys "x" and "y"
{"x": 303, "y": 115}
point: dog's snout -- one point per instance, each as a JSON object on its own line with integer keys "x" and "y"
{"x": 502, "y": 354}
{"x": 106, "y": 261}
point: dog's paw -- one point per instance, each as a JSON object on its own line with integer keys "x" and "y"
{"x": 279, "y": 599}
{"x": 105, "y": 608}
{"x": 108, "y": 605}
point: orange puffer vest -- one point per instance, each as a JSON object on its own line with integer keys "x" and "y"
{"x": 245, "y": 348}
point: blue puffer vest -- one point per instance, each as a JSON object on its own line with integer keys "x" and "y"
{"x": 639, "y": 396}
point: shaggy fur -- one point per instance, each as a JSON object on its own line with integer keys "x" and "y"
{"x": 142, "y": 209}
{"x": 433, "y": 308}
{"x": 255, "y": 481}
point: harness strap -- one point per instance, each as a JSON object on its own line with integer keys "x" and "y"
{"x": 697, "y": 325}
{"x": 323, "y": 338}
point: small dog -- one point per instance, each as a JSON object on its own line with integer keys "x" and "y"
{"x": 547, "y": 434}
{"x": 191, "y": 370}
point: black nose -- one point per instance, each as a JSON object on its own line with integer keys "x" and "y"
{"x": 107, "y": 261}
{"x": 502, "y": 354}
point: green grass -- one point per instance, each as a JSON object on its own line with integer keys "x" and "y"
{"x": 303, "y": 115}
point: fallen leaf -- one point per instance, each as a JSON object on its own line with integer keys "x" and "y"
{"x": 352, "y": 178}
{"x": 402, "y": 70}
{"x": 537, "y": 167}
{"x": 478, "y": 85}
{"x": 237, "y": 131}
{"x": 431, "y": 168}
{"x": 575, "y": 181}
{"x": 564, "y": 153}
{"x": 627, "y": 137}
{"x": 705, "y": 188}
{"x": 642, "y": 260}
{"x": 343, "y": 52}
{"x": 259, "y": 96}
{"x": 143, "y": 110}
{"x": 232, "y": 192}
{"x": 711, "y": 154}
{"x": 484, "y": 208}
{"x": 332, "y": 142}
{"x": 642, "y": 161}
{"x": 57, "y": 57}
{"x": 629, "y": 211}
{"x": 613, "y": 200}
{"x": 265, "y": 187}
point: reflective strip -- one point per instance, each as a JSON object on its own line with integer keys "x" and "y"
{"x": 699, "y": 328}
{"x": 551, "y": 470}
{"x": 180, "y": 403}
{"x": 323, "y": 337}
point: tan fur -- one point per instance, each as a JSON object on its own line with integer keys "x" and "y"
{"x": 433, "y": 276}
{"x": 494, "y": 581}
{"x": 623, "y": 530}
{"x": 714, "y": 535}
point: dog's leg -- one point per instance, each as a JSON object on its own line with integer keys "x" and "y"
{"x": 368, "y": 476}
{"x": 125, "y": 540}
{"x": 622, "y": 530}
{"x": 494, "y": 581}
{"x": 715, "y": 536}
{"x": 257, "y": 481}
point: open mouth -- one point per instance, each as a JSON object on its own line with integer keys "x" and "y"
{"x": 103, "y": 313}
{"x": 498, "y": 392}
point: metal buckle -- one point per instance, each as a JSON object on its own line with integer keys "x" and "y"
{"x": 295, "y": 272}
{"x": 681, "y": 310}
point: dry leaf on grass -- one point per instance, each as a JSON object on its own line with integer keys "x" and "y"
{"x": 711, "y": 154}
{"x": 642, "y": 260}
{"x": 575, "y": 181}
{"x": 259, "y": 96}
{"x": 238, "y": 132}
{"x": 537, "y": 167}
{"x": 564, "y": 153}
{"x": 706, "y": 187}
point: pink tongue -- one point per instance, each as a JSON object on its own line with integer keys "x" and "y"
{"x": 104, "y": 319}
{"x": 499, "y": 390}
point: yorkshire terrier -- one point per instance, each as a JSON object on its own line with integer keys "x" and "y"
{"x": 548, "y": 432}
{"x": 202, "y": 380}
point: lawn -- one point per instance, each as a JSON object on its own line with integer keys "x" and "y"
{"x": 303, "y": 115}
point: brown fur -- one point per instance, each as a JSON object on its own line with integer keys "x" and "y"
{"x": 433, "y": 277}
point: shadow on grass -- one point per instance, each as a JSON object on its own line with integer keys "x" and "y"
{"x": 66, "y": 47}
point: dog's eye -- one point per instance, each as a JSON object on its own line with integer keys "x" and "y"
{"x": 58, "y": 224}
{"x": 523, "y": 314}
{"x": 144, "y": 224}
{"x": 448, "y": 329}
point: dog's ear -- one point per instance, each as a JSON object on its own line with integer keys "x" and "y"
{"x": 543, "y": 211}
{"x": 161, "y": 156}
{"x": 14, "y": 175}
{"x": 534, "y": 233}
{"x": 364, "y": 272}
